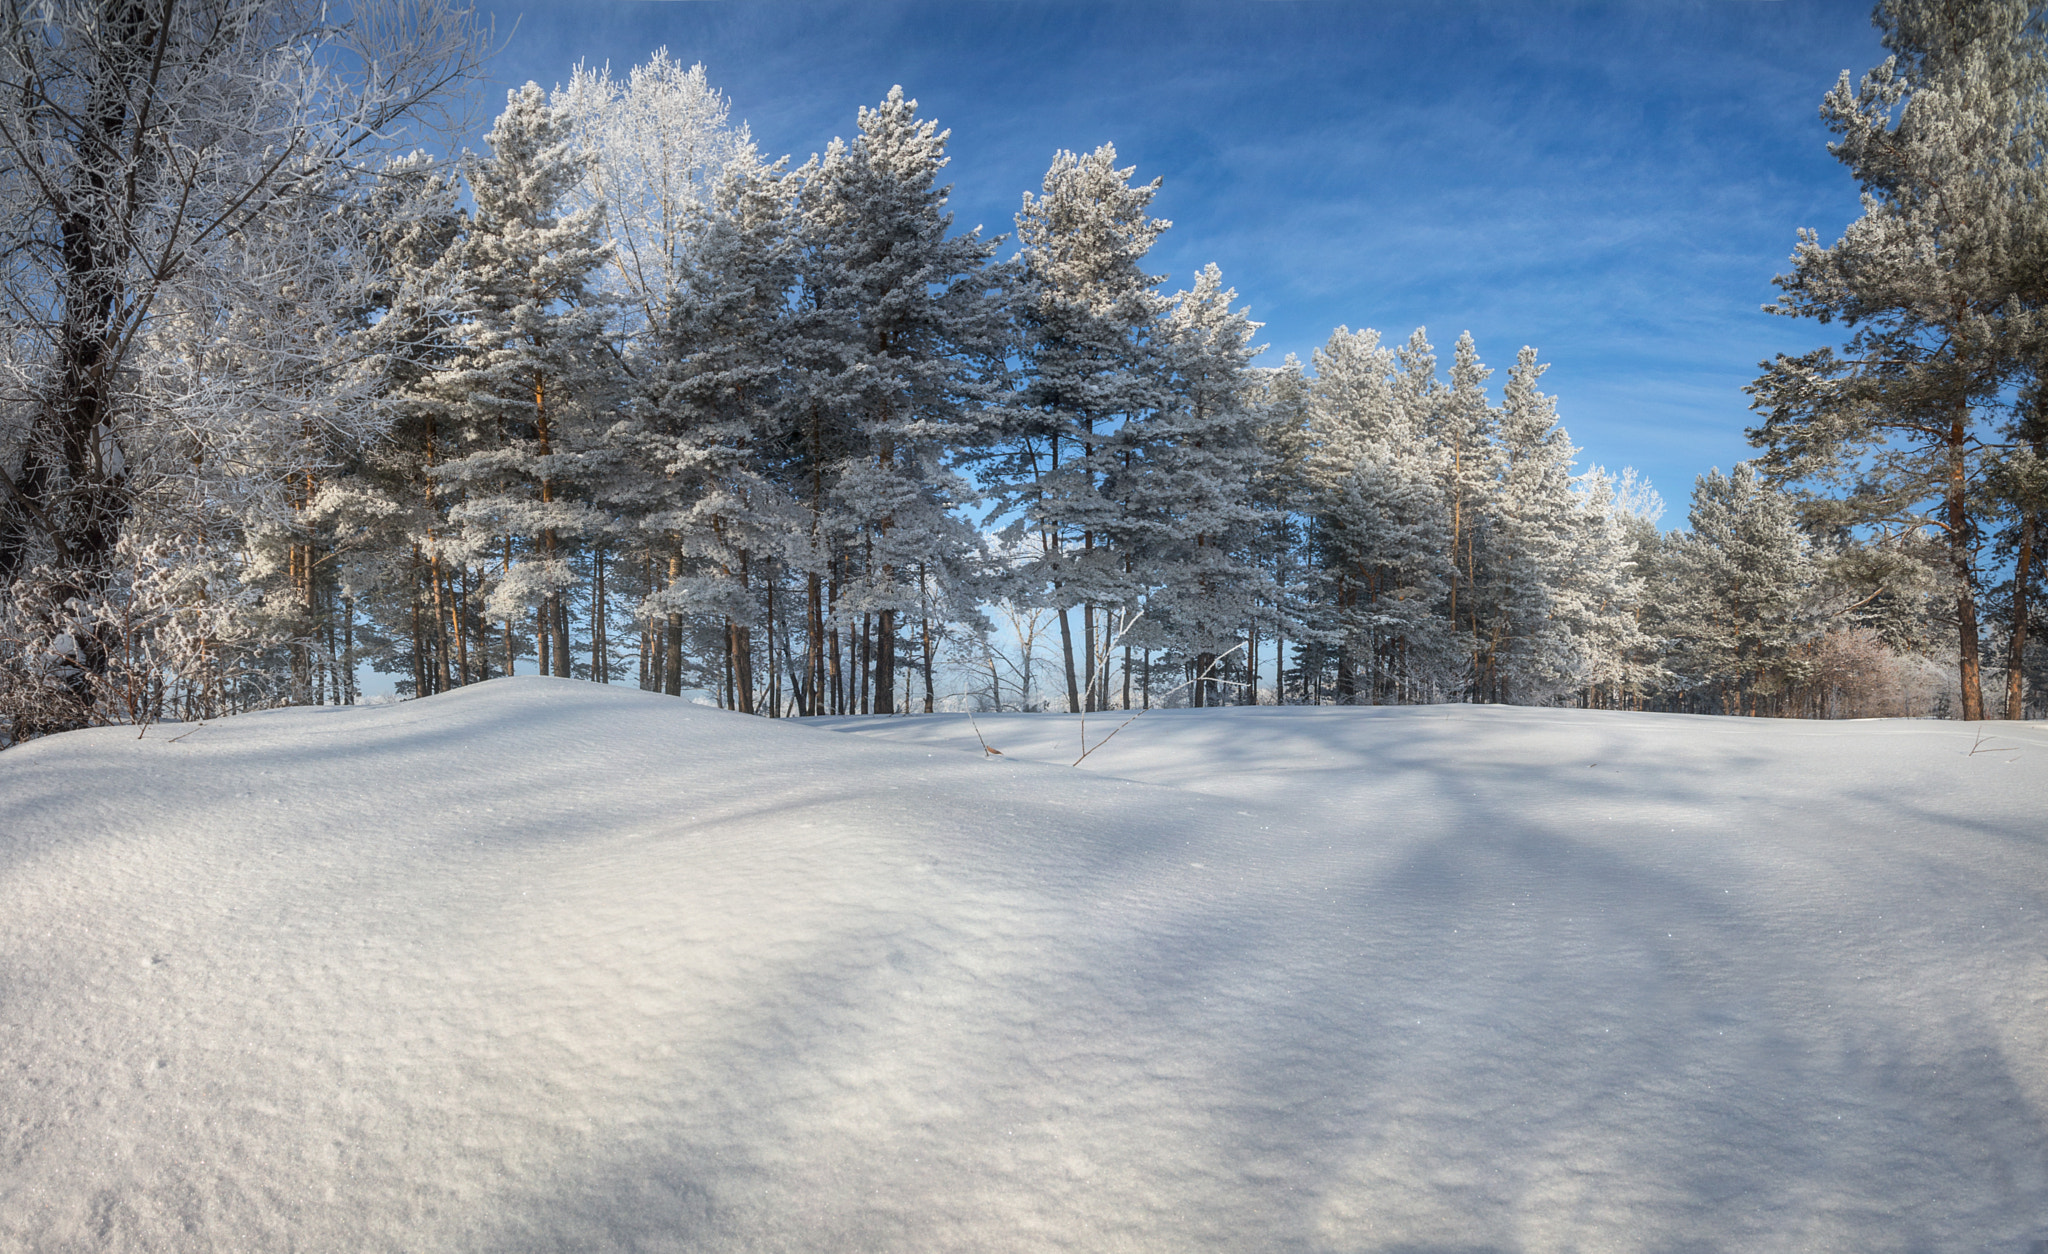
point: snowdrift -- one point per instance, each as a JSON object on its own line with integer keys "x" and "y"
{"x": 542, "y": 965}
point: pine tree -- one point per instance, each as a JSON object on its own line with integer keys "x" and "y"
{"x": 1463, "y": 426}
{"x": 1382, "y": 527}
{"x": 1387, "y": 524}
{"x": 1184, "y": 509}
{"x": 684, "y": 197}
{"x": 1281, "y": 494}
{"x": 530, "y": 387}
{"x": 905, "y": 322}
{"x": 1526, "y": 651}
{"x": 1353, "y": 411}
{"x": 1743, "y": 574}
{"x": 706, "y": 434}
{"x": 1598, "y": 592}
{"x": 404, "y": 563}
{"x": 1938, "y": 278}
{"x": 1086, "y": 315}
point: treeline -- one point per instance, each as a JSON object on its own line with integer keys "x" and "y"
{"x": 778, "y": 433}
{"x": 621, "y": 399}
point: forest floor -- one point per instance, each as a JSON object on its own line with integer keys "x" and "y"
{"x": 543, "y": 965}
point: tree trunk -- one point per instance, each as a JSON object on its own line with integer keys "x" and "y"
{"x": 1961, "y": 531}
{"x": 419, "y": 640}
{"x": 434, "y": 576}
{"x": 1251, "y": 664}
{"x": 458, "y": 588}
{"x": 672, "y": 658}
{"x": 1067, "y": 651}
{"x": 2015, "y": 662}
{"x": 726, "y": 669}
{"x": 836, "y": 664}
{"x": 672, "y": 663}
{"x": 600, "y": 645}
{"x": 1089, "y": 651}
{"x": 511, "y": 643}
{"x": 774, "y": 693}
{"x": 348, "y": 655}
{"x": 743, "y": 667}
{"x": 1347, "y": 684}
{"x": 864, "y": 662}
{"x": 814, "y": 644}
{"x": 925, "y": 632}
{"x": 885, "y": 662}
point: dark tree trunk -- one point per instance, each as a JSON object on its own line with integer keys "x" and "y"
{"x": 2015, "y": 662}
{"x": 925, "y": 632}
{"x": 600, "y": 645}
{"x": 814, "y": 644}
{"x": 672, "y": 662}
{"x": 1067, "y": 651}
{"x": 885, "y": 662}
{"x": 1089, "y": 678}
{"x": 1961, "y": 528}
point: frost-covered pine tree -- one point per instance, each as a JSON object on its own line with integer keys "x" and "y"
{"x": 1463, "y": 424}
{"x": 1086, "y": 312}
{"x": 1351, "y": 409}
{"x": 905, "y": 327}
{"x": 1938, "y": 280}
{"x": 1742, "y": 574}
{"x": 413, "y": 575}
{"x": 1598, "y": 593}
{"x": 1381, "y": 530}
{"x": 707, "y": 430}
{"x": 1386, "y": 523}
{"x": 1526, "y": 653}
{"x": 700, "y": 267}
{"x": 1184, "y": 515}
{"x": 1282, "y": 496}
{"x": 532, "y": 385}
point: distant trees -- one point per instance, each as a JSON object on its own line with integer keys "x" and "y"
{"x": 1458, "y": 556}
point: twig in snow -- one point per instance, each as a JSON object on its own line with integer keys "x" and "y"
{"x": 1976, "y": 746}
{"x": 1085, "y": 750}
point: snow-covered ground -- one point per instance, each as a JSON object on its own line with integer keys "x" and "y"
{"x": 541, "y": 965}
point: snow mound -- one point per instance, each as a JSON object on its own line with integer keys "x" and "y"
{"x": 548, "y": 965}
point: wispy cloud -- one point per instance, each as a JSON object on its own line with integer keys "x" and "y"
{"x": 1615, "y": 184}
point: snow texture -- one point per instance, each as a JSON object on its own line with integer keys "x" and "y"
{"x": 543, "y": 965}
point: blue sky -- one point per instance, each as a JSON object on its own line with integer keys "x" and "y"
{"x": 1614, "y": 184}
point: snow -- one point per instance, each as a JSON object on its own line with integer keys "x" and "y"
{"x": 547, "y": 965}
